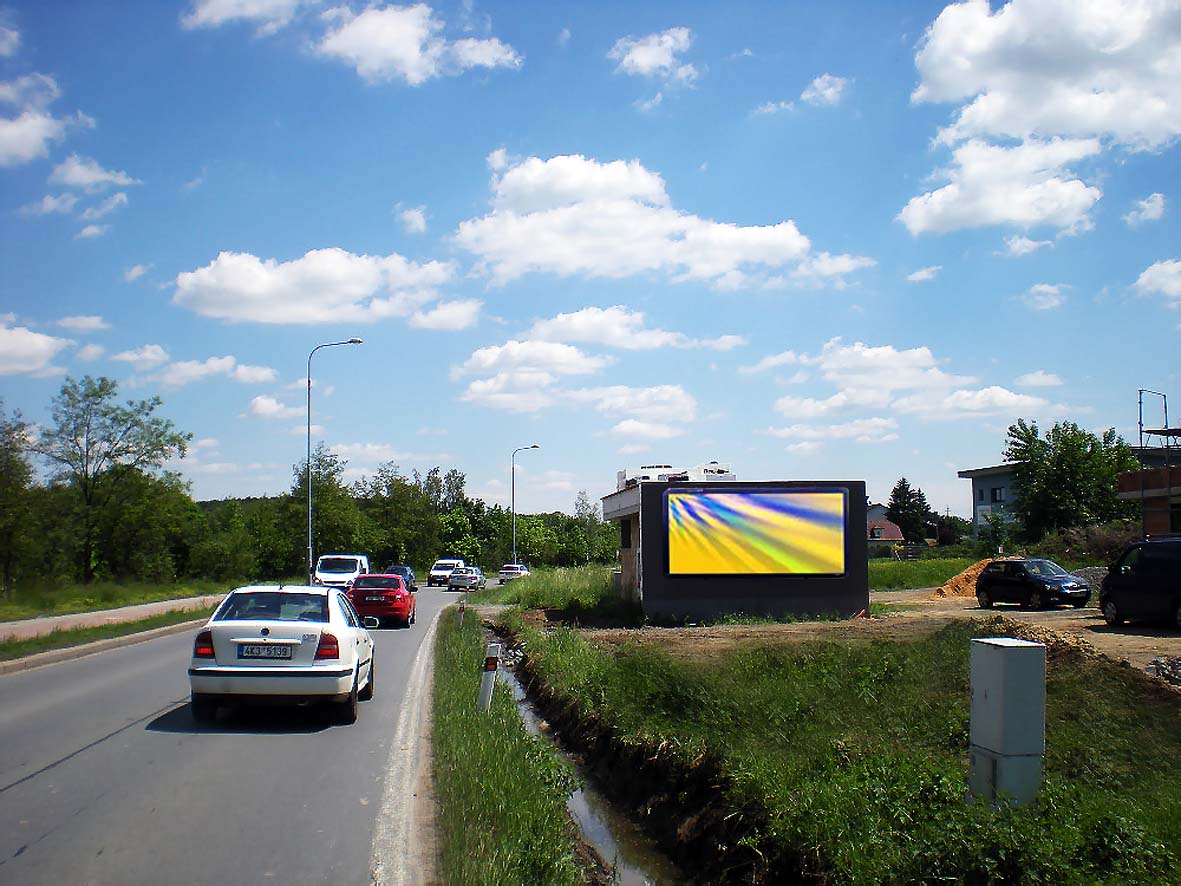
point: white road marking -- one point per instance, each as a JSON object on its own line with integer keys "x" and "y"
{"x": 388, "y": 864}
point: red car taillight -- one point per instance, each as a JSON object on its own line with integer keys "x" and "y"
{"x": 328, "y": 647}
{"x": 203, "y": 645}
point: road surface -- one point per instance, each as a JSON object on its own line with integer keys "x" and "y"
{"x": 106, "y": 779}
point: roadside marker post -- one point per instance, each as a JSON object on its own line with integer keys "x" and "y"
{"x": 488, "y": 678}
{"x": 461, "y": 608}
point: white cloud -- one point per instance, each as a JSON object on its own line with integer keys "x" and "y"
{"x": 1018, "y": 245}
{"x": 826, "y": 89}
{"x": 413, "y": 219}
{"x": 722, "y": 342}
{"x": 633, "y": 448}
{"x": 62, "y": 204}
{"x": 28, "y": 135}
{"x": 10, "y": 41}
{"x": 808, "y": 447}
{"x": 824, "y": 265}
{"x": 32, "y": 91}
{"x": 656, "y": 55}
{"x": 82, "y": 172}
{"x": 404, "y": 42}
{"x": 186, "y": 372}
{"x": 882, "y": 368}
{"x": 614, "y": 327}
{"x": 842, "y": 401}
{"x": 1026, "y": 185}
{"x": 135, "y": 272}
{"x": 922, "y": 275}
{"x": 550, "y": 358}
{"x": 1150, "y": 208}
{"x": 90, "y": 353}
{"x": 269, "y": 15}
{"x": 84, "y": 323}
{"x": 106, "y": 207}
{"x": 659, "y": 403}
{"x": 1163, "y": 277}
{"x": 263, "y": 406}
{"x": 646, "y": 430}
{"x": 1045, "y": 296}
{"x": 564, "y": 37}
{"x": 524, "y": 390}
{"x": 785, "y": 358}
{"x": 147, "y": 357}
{"x": 1038, "y": 379}
{"x": 774, "y": 108}
{"x": 205, "y": 443}
{"x": 24, "y": 352}
{"x": 324, "y": 286}
{"x": 376, "y": 453}
{"x": 650, "y": 104}
{"x": 572, "y": 215}
{"x": 862, "y": 430}
{"x": 1056, "y": 67}
{"x": 450, "y": 315}
{"x": 966, "y": 403}
{"x": 92, "y": 231}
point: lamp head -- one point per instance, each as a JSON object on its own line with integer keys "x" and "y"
{"x": 355, "y": 341}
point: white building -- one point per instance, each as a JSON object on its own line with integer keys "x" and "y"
{"x": 712, "y": 471}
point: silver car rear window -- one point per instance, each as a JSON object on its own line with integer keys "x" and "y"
{"x": 273, "y": 606}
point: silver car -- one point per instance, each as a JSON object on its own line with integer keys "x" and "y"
{"x": 466, "y": 578}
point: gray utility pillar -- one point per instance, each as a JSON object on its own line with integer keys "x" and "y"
{"x": 1008, "y": 727}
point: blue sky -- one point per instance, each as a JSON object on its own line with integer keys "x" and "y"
{"x": 842, "y": 240}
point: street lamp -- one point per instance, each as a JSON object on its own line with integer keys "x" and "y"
{"x": 513, "y": 491}
{"x": 331, "y": 344}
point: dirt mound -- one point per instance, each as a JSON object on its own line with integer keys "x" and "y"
{"x": 964, "y": 584}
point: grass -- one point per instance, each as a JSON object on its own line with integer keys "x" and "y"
{"x": 32, "y": 603}
{"x": 501, "y": 792}
{"x": 853, "y": 757}
{"x": 895, "y": 575}
{"x": 10, "y": 649}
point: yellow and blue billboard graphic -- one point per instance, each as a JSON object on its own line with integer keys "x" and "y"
{"x": 768, "y": 532}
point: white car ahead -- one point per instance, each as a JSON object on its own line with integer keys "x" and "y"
{"x": 275, "y": 644}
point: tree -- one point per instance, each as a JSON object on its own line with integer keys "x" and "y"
{"x": 1067, "y": 478}
{"x": 338, "y": 524}
{"x": 586, "y": 513}
{"x": 96, "y": 444}
{"x": 15, "y": 476}
{"x": 908, "y": 508}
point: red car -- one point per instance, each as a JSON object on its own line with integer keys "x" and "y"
{"x": 384, "y": 597}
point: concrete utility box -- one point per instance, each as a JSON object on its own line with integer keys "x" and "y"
{"x": 1008, "y": 725}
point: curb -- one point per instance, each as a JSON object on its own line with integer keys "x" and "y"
{"x": 68, "y": 653}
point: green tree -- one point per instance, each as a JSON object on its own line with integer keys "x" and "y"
{"x": 16, "y": 475}
{"x": 586, "y": 514}
{"x": 1067, "y": 478}
{"x": 228, "y": 551}
{"x": 338, "y": 523}
{"x": 456, "y": 532}
{"x": 96, "y": 444}
{"x": 407, "y": 523}
{"x": 908, "y": 508}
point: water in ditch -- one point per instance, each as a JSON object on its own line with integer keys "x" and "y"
{"x": 635, "y": 858}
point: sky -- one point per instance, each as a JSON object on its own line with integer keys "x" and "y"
{"x": 849, "y": 240}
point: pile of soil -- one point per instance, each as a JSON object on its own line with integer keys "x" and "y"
{"x": 964, "y": 584}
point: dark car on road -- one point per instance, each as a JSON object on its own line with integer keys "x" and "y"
{"x": 1144, "y": 583}
{"x": 1034, "y": 583}
{"x": 406, "y": 572}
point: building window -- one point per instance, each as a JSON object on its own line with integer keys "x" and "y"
{"x": 875, "y": 532}
{"x": 980, "y": 495}
{"x": 625, "y": 533}
{"x": 998, "y": 493}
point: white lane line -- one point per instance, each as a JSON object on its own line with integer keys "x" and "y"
{"x": 389, "y": 863}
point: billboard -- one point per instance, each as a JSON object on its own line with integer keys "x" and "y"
{"x": 756, "y": 532}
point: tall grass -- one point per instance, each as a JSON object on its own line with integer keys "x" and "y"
{"x": 34, "y": 602}
{"x": 856, "y": 756}
{"x": 894, "y": 575}
{"x": 501, "y": 792}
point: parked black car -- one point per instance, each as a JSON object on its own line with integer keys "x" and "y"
{"x": 405, "y": 571}
{"x": 1035, "y": 584}
{"x": 1144, "y": 583}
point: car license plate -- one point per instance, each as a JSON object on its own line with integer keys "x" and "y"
{"x": 267, "y": 651}
{"x": 375, "y": 599}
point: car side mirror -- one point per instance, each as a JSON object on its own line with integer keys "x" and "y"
{"x": 371, "y": 622}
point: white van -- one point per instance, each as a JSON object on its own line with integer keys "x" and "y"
{"x": 441, "y": 571}
{"x": 338, "y": 570}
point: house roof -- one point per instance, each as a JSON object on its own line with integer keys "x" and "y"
{"x": 995, "y": 470}
{"x": 890, "y": 530}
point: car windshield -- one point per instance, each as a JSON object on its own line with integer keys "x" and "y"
{"x": 273, "y": 606}
{"x": 462, "y": 571}
{"x": 377, "y": 581}
{"x": 338, "y": 564}
{"x": 444, "y": 564}
{"x": 398, "y": 570}
{"x": 1045, "y": 567}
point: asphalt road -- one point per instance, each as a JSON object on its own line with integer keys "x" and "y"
{"x": 106, "y": 779}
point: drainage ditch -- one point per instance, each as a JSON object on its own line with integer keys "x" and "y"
{"x": 630, "y": 854}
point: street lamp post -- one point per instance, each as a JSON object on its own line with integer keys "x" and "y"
{"x": 513, "y": 491}
{"x": 331, "y": 344}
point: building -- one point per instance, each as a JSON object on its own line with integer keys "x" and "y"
{"x": 712, "y": 471}
{"x": 882, "y": 534}
{"x": 993, "y": 492}
{"x": 708, "y": 548}
{"x": 1157, "y": 485}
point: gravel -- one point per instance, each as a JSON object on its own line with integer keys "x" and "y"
{"x": 1168, "y": 669}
